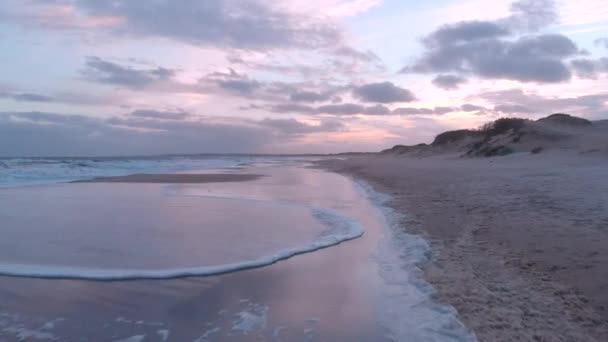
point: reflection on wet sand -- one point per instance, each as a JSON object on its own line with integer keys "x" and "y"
{"x": 323, "y": 295}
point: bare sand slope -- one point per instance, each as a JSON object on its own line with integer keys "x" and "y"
{"x": 520, "y": 242}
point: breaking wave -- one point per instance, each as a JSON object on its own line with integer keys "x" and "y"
{"x": 36, "y": 171}
{"x": 340, "y": 229}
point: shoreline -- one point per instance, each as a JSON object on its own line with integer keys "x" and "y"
{"x": 409, "y": 253}
{"x": 174, "y": 178}
{"x": 352, "y": 291}
{"x": 502, "y": 286}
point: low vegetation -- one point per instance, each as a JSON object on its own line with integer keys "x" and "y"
{"x": 502, "y": 126}
{"x": 454, "y": 136}
{"x": 566, "y": 119}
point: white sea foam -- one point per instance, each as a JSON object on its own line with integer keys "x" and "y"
{"x": 340, "y": 229}
{"x": 136, "y": 338}
{"x": 206, "y": 336}
{"x": 407, "y": 311}
{"x": 250, "y": 320}
{"x": 24, "y": 334}
{"x": 164, "y": 334}
{"x": 276, "y": 333}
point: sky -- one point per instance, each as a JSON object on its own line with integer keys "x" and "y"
{"x": 131, "y": 77}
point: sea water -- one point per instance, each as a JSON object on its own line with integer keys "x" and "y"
{"x": 36, "y": 171}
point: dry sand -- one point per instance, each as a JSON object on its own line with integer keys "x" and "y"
{"x": 520, "y": 242}
{"x": 175, "y": 178}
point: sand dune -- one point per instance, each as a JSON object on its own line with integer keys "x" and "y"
{"x": 509, "y": 135}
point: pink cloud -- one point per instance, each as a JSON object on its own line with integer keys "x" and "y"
{"x": 330, "y": 8}
{"x": 67, "y": 17}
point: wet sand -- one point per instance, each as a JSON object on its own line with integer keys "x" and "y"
{"x": 325, "y": 294}
{"x": 342, "y": 293}
{"x": 520, "y": 243}
{"x": 174, "y": 178}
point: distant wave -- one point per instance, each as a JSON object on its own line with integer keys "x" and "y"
{"x": 36, "y": 171}
{"x": 341, "y": 229}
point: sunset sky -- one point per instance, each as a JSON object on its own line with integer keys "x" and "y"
{"x": 116, "y": 77}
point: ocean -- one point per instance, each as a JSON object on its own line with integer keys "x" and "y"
{"x": 36, "y": 171}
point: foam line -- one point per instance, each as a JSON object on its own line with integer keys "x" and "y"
{"x": 342, "y": 229}
{"x": 409, "y": 312}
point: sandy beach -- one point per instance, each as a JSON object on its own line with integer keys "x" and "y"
{"x": 520, "y": 243}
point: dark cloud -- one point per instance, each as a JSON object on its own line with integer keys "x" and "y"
{"x": 516, "y": 101}
{"x": 495, "y": 50}
{"x": 52, "y": 118}
{"x": 102, "y": 71}
{"x": 291, "y": 108}
{"x": 228, "y": 82}
{"x": 293, "y": 126}
{"x": 243, "y": 86}
{"x": 309, "y": 96}
{"x": 603, "y": 42}
{"x": 365, "y": 56}
{"x": 162, "y": 115}
{"x": 352, "y": 109}
{"x": 27, "y": 97}
{"x": 376, "y": 110}
{"x": 233, "y": 82}
{"x": 385, "y": 92}
{"x": 246, "y": 24}
{"x": 342, "y": 109}
{"x": 238, "y": 84}
{"x": 332, "y": 109}
{"x": 52, "y": 134}
{"x": 81, "y": 98}
{"x": 448, "y": 82}
{"x": 443, "y": 110}
{"x": 526, "y": 59}
{"x": 590, "y": 68}
{"x": 287, "y": 88}
{"x": 544, "y": 46}
{"x": 467, "y": 107}
{"x": 413, "y": 111}
{"x": 321, "y": 92}
{"x": 463, "y": 32}
{"x": 423, "y": 111}
{"x": 77, "y": 98}
{"x": 531, "y": 15}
